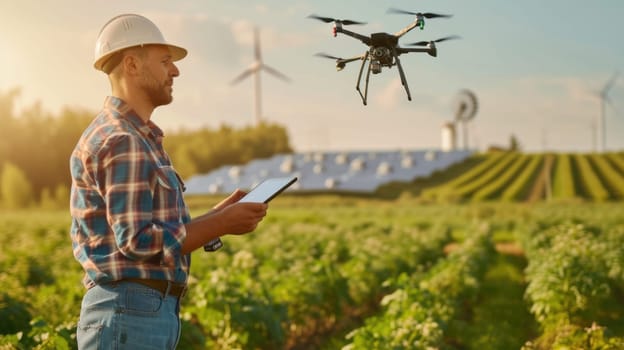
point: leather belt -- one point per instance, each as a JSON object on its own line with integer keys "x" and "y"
{"x": 165, "y": 287}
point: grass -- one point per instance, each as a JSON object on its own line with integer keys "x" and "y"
{"x": 501, "y": 319}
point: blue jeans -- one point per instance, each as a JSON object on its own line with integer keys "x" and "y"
{"x": 128, "y": 316}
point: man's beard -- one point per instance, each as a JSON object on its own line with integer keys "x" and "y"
{"x": 158, "y": 93}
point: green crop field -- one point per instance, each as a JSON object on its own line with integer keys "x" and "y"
{"x": 501, "y": 251}
{"x": 520, "y": 177}
{"x": 331, "y": 272}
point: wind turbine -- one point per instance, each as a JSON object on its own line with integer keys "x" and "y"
{"x": 604, "y": 99}
{"x": 255, "y": 69}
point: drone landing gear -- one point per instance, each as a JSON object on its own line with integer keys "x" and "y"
{"x": 402, "y": 75}
{"x": 368, "y": 72}
{"x": 357, "y": 86}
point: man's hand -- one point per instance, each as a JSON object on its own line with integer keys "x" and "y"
{"x": 231, "y": 199}
{"x": 241, "y": 218}
{"x": 226, "y": 218}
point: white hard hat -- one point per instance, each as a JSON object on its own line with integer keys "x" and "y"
{"x": 129, "y": 30}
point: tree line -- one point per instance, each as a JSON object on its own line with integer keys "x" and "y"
{"x": 35, "y": 146}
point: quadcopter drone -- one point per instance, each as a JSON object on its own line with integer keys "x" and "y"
{"x": 384, "y": 49}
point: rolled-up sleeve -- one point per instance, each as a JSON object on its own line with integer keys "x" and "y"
{"x": 143, "y": 200}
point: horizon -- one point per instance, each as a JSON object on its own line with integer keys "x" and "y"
{"x": 534, "y": 67}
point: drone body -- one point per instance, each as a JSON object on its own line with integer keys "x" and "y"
{"x": 384, "y": 49}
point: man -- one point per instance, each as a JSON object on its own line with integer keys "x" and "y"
{"x": 131, "y": 230}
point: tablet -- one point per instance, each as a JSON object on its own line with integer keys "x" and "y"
{"x": 268, "y": 189}
{"x": 263, "y": 193}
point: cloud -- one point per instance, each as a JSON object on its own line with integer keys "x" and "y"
{"x": 270, "y": 37}
{"x": 208, "y": 38}
{"x": 262, "y": 9}
{"x": 389, "y": 96}
{"x": 544, "y": 112}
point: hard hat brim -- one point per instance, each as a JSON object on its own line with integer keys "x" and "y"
{"x": 177, "y": 53}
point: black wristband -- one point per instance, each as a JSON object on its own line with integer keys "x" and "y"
{"x": 213, "y": 245}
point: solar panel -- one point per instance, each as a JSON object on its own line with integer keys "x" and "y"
{"x": 357, "y": 171}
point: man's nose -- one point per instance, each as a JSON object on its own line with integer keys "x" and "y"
{"x": 174, "y": 70}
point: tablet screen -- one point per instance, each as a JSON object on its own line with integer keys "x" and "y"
{"x": 267, "y": 189}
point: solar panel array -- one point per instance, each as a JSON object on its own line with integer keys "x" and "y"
{"x": 357, "y": 171}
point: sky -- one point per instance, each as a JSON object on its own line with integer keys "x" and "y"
{"x": 535, "y": 66}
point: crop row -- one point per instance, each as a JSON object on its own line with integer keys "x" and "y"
{"x": 574, "y": 274}
{"x": 318, "y": 269}
{"x": 424, "y": 306}
{"x": 303, "y": 277}
{"x": 512, "y": 176}
{"x": 304, "y": 273}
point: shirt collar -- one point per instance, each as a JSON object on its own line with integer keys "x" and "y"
{"x": 124, "y": 110}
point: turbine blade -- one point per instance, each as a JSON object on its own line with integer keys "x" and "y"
{"x": 243, "y": 75}
{"x": 257, "y": 51}
{"x": 609, "y": 102}
{"x": 609, "y": 84}
{"x": 274, "y": 72}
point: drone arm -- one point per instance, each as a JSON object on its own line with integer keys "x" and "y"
{"x": 431, "y": 50}
{"x": 366, "y": 40}
{"x": 407, "y": 29}
{"x": 348, "y": 60}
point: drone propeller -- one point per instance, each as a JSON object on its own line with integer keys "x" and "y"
{"x": 341, "y": 21}
{"x": 340, "y": 62}
{"x": 425, "y": 14}
{"x": 425, "y": 43}
{"x": 320, "y": 54}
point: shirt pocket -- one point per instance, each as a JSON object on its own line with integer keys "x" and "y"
{"x": 167, "y": 178}
{"x": 167, "y": 193}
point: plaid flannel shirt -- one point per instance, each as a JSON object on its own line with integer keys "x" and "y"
{"x": 127, "y": 209}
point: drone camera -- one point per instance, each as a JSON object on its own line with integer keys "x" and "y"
{"x": 340, "y": 66}
{"x": 375, "y": 67}
{"x": 379, "y": 52}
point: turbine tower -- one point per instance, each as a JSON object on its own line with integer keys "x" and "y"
{"x": 604, "y": 99}
{"x": 255, "y": 69}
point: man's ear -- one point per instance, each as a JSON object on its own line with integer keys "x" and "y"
{"x": 132, "y": 64}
